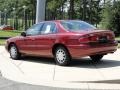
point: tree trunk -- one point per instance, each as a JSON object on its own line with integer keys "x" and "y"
{"x": 71, "y": 10}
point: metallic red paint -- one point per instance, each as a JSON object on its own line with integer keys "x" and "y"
{"x": 42, "y": 45}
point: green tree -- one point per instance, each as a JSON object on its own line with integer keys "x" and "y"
{"x": 111, "y": 16}
{"x": 114, "y": 23}
{"x": 88, "y": 10}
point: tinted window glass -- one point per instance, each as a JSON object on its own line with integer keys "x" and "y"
{"x": 77, "y": 25}
{"x": 48, "y": 27}
{"x": 34, "y": 30}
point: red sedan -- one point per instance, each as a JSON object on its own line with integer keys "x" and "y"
{"x": 63, "y": 40}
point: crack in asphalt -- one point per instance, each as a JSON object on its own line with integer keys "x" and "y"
{"x": 15, "y": 65}
{"x": 99, "y": 70}
{"x": 20, "y": 63}
{"x": 54, "y": 72}
{"x": 18, "y": 67}
{"x": 2, "y": 52}
{"x": 0, "y": 74}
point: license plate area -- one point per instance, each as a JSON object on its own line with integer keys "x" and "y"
{"x": 103, "y": 39}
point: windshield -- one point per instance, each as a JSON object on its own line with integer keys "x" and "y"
{"x": 77, "y": 25}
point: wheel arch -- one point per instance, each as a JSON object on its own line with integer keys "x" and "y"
{"x": 11, "y": 43}
{"x": 58, "y": 45}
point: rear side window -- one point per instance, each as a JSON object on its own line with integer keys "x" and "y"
{"x": 48, "y": 28}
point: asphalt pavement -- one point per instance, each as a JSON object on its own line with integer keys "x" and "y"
{"x": 37, "y": 73}
{"x": 11, "y": 85}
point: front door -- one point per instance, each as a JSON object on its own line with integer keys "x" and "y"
{"x": 29, "y": 40}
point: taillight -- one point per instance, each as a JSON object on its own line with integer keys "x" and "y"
{"x": 94, "y": 38}
{"x": 84, "y": 39}
{"x": 88, "y": 38}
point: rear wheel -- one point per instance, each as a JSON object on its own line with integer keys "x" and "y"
{"x": 14, "y": 53}
{"x": 96, "y": 58}
{"x": 62, "y": 56}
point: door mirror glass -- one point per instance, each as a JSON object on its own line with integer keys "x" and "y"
{"x": 23, "y": 34}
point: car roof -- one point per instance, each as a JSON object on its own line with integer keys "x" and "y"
{"x": 58, "y": 21}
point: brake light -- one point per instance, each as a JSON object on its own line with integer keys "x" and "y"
{"x": 94, "y": 38}
{"x": 84, "y": 39}
{"x": 88, "y": 38}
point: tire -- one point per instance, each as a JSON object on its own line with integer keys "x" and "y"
{"x": 62, "y": 56}
{"x": 96, "y": 58}
{"x": 14, "y": 53}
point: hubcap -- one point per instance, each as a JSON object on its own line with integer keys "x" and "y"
{"x": 13, "y": 52}
{"x": 61, "y": 56}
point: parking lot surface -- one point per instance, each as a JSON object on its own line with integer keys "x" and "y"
{"x": 82, "y": 73}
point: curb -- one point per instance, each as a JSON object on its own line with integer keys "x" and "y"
{"x": 0, "y": 74}
{"x": 5, "y": 37}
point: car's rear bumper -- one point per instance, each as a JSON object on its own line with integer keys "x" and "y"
{"x": 82, "y": 50}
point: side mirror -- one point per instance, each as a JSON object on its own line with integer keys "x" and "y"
{"x": 23, "y": 34}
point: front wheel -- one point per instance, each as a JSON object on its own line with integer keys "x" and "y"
{"x": 96, "y": 58}
{"x": 14, "y": 53}
{"x": 62, "y": 56}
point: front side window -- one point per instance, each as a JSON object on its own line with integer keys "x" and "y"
{"x": 77, "y": 25}
{"x": 48, "y": 28}
{"x": 34, "y": 30}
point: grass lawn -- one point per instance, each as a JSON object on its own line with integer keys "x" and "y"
{"x": 117, "y": 38}
{"x": 9, "y": 33}
{"x": 119, "y": 45}
{"x": 2, "y": 42}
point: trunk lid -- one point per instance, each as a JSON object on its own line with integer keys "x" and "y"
{"x": 97, "y": 36}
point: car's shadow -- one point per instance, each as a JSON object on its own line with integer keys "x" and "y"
{"x": 88, "y": 63}
{"x": 43, "y": 60}
{"x": 78, "y": 63}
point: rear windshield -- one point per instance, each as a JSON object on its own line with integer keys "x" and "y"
{"x": 77, "y": 25}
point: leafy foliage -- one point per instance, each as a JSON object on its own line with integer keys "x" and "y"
{"x": 115, "y": 18}
{"x": 111, "y": 17}
{"x": 104, "y": 13}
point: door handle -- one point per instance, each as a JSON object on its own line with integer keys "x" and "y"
{"x": 32, "y": 39}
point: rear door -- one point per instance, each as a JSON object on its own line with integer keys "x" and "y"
{"x": 46, "y": 39}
